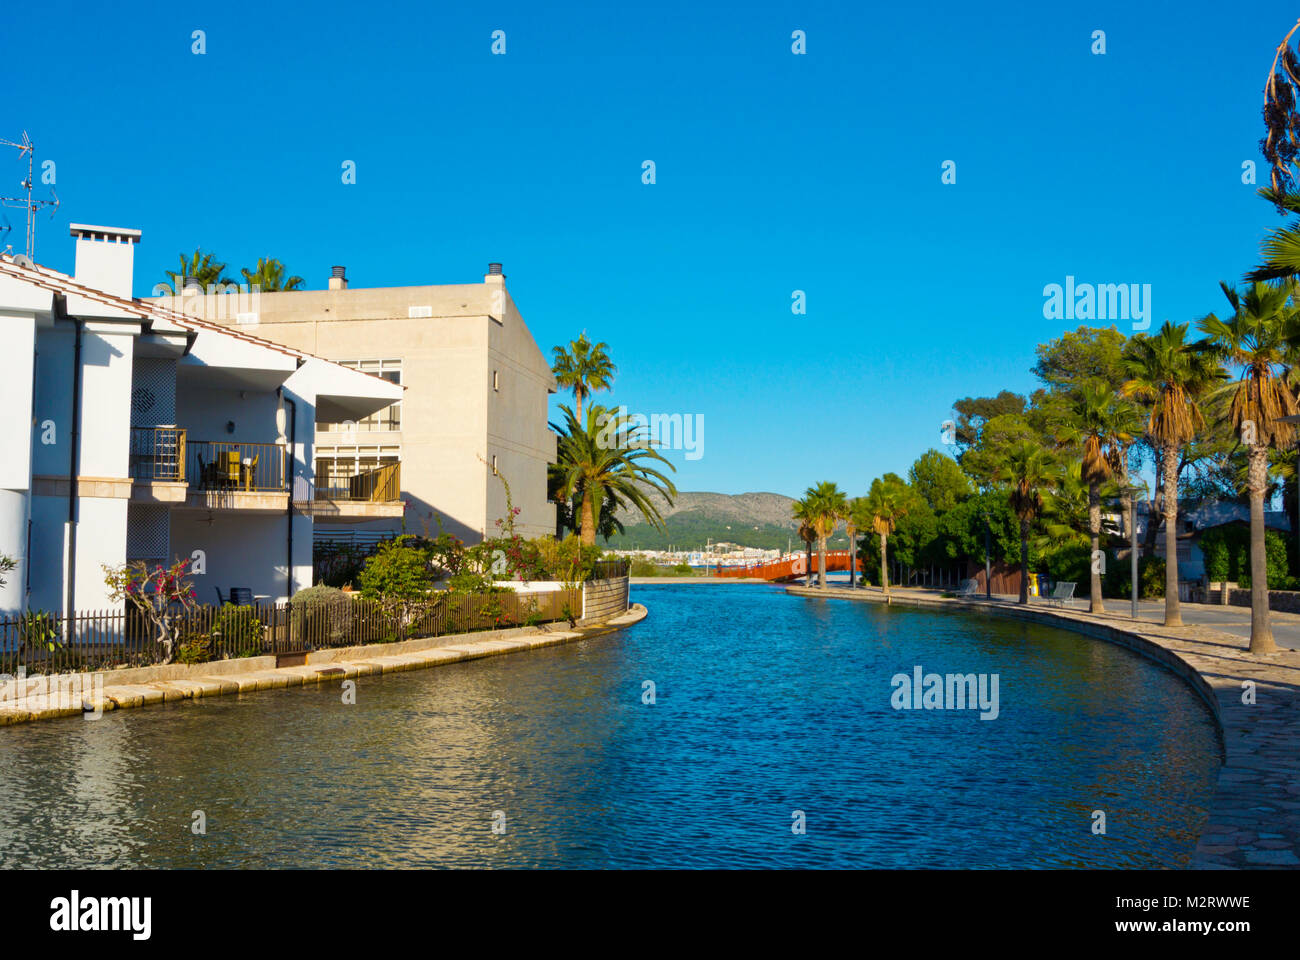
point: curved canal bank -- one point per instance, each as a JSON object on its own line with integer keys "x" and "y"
{"x": 737, "y": 726}
{"x": 1254, "y": 816}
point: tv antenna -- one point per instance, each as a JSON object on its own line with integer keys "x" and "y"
{"x": 26, "y": 202}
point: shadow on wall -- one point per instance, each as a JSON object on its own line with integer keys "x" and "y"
{"x": 423, "y": 518}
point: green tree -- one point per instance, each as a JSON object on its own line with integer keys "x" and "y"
{"x": 1029, "y": 472}
{"x": 584, "y": 368}
{"x": 854, "y": 514}
{"x": 886, "y": 504}
{"x": 608, "y": 454}
{"x": 1257, "y": 341}
{"x": 1085, "y": 355}
{"x": 826, "y": 506}
{"x": 1101, "y": 430}
{"x": 269, "y": 277}
{"x": 802, "y": 511}
{"x": 1172, "y": 376}
{"x": 939, "y": 480}
{"x": 200, "y": 267}
{"x": 982, "y": 460}
{"x": 974, "y": 412}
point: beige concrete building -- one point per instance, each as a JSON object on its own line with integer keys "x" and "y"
{"x": 474, "y": 402}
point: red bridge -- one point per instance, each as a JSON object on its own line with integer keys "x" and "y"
{"x": 789, "y": 568}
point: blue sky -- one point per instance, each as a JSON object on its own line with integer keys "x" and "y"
{"x": 774, "y": 173}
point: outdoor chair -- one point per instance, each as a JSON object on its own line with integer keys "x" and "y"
{"x": 229, "y": 468}
{"x": 222, "y": 600}
{"x": 1062, "y": 596}
{"x": 241, "y": 596}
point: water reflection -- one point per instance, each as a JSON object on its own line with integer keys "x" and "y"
{"x": 766, "y": 704}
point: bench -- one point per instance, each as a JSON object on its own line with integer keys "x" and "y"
{"x": 1062, "y": 595}
{"x": 969, "y": 588}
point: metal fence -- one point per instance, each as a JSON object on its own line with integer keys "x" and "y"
{"x": 157, "y": 453}
{"x": 608, "y": 569}
{"x": 107, "y": 639}
{"x": 237, "y": 465}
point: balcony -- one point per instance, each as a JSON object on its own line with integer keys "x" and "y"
{"x": 365, "y": 496}
{"x": 237, "y": 466}
{"x": 157, "y": 464}
{"x": 237, "y": 475}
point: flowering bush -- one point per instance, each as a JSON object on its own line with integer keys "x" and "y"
{"x": 162, "y": 595}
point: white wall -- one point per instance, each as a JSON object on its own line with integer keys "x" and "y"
{"x": 17, "y": 365}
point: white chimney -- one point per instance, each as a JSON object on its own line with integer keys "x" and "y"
{"x": 105, "y": 257}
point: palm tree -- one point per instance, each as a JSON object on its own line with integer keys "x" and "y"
{"x": 803, "y": 513}
{"x": 885, "y": 506}
{"x": 201, "y": 268}
{"x": 269, "y": 277}
{"x": 1172, "y": 376}
{"x": 584, "y": 368}
{"x": 855, "y": 519}
{"x": 1258, "y": 338}
{"x": 1104, "y": 432}
{"x": 1281, "y": 249}
{"x": 1030, "y": 471}
{"x": 826, "y": 507}
{"x": 604, "y": 456}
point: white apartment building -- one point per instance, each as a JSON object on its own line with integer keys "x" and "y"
{"x": 133, "y": 432}
{"x": 474, "y": 403}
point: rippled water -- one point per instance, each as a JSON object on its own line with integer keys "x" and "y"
{"x": 765, "y": 704}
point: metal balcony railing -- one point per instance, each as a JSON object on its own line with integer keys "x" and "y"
{"x": 236, "y": 466}
{"x": 157, "y": 453}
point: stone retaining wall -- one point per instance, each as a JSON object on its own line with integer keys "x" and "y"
{"x": 1286, "y": 601}
{"x": 604, "y": 598}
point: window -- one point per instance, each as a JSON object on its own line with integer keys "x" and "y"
{"x": 496, "y": 380}
{"x": 494, "y": 464}
{"x": 389, "y": 418}
{"x": 335, "y": 465}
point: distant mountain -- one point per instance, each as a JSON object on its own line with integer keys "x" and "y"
{"x": 749, "y": 519}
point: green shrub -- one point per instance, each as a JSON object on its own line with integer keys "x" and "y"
{"x": 1072, "y": 563}
{"x": 1227, "y": 556}
{"x": 644, "y": 568}
{"x": 322, "y": 615}
{"x": 194, "y": 648}
{"x": 1151, "y": 578}
{"x": 683, "y": 569}
{"x": 1275, "y": 562}
{"x": 397, "y": 571}
{"x": 237, "y": 632}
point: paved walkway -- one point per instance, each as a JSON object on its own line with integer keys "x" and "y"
{"x": 1255, "y": 812}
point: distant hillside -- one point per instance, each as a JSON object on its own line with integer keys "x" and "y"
{"x": 750, "y": 519}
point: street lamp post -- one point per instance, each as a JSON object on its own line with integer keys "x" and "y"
{"x": 1133, "y": 548}
{"x": 988, "y": 567}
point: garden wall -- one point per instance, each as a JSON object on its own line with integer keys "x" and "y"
{"x": 1287, "y": 601}
{"x": 604, "y": 598}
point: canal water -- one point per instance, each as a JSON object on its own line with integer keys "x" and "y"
{"x": 771, "y": 742}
